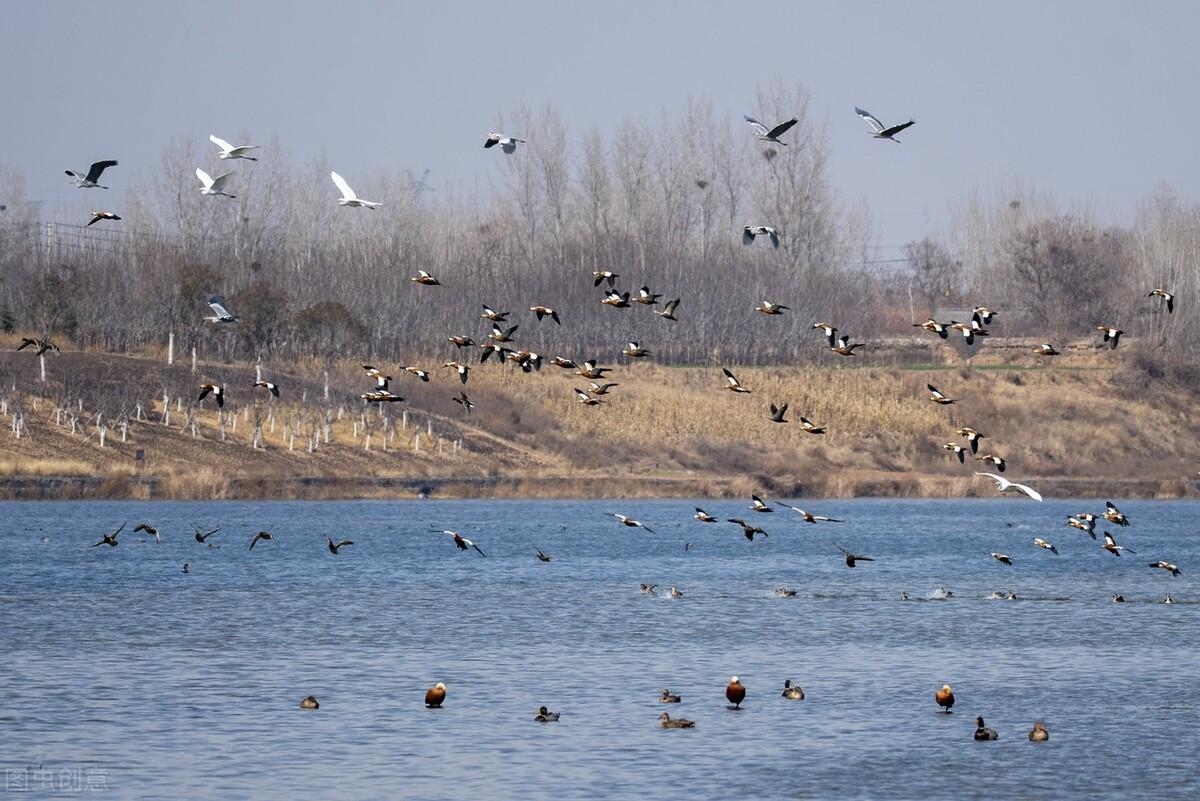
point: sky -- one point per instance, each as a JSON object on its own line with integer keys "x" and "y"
{"x": 1093, "y": 102}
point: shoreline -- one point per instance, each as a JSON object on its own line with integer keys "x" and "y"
{"x": 567, "y": 487}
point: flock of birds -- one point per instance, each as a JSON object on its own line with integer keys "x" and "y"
{"x": 499, "y": 342}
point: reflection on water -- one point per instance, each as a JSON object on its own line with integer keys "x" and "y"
{"x": 168, "y": 685}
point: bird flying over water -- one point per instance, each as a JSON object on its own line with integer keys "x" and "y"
{"x": 852, "y": 558}
{"x": 748, "y": 530}
{"x": 262, "y": 535}
{"x": 1004, "y": 485}
{"x": 808, "y": 516}
{"x": 110, "y": 539}
{"x": 463, "y": 543}
{"x": 1045, "y": 545}
{"x": 630, "y": 522}
{"x": 334, "y": 546}
{"x": 149, "y": 529}
{"x": 1114, "y": 515}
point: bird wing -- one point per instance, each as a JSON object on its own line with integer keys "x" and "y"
{"x": 782, "y": 128}
{"x": 1030, "y": 491}
{"x": 758, "y": 127}
{"x": 218, "y": 183}
{"x": 221, "y": 143}
{"x": 895, "y": 129}
{"x": 218, "y": 307}
{"x": 343, "y": 187}
{"x": 747, "y": 236}
{"x": 476, "y": 547}
{"x": 1001, "y": 481}
{"x": 729, "y": 377}
{"x": 876, "y": 125}
{"x": 97, "y": 168}
{"x": 205, "y": 178}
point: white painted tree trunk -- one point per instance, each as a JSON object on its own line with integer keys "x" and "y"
{"x": 170, "y": 349}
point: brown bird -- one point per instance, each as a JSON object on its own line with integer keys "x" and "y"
{"x": 600, "y": 276}
{"x": 218, "y": 393}
{"x": 958, "y": 451}
{"x": 461, "y": 342}
{"x": 1167, "y": 566}
{"x": 262, "y": 535}
{"x": 463, "y": 543}
{"x": 585, "y": 398}
{"x": 703, "y": 516}
{"x": 435, "y": 696}
{"x": 334, "y": 546}
{"x": 968, "y": 331}
{"x": 972, "y": 436}
{"x": 667, "y": 722}
{"x": 381, "y": 396}
{"x": 1113, "y": 515}
{"x": 1046, "y": 349}
{"x": 1155, "y": 293}
{"x": 732, "y": 384}
{"x": 269, "y": 386}
{"x": 757, "y": 505}
{"x": 310, "y": 702}
{"x": 110, "y": 539}
{"x": 601, "y": 389}
{"x": 461, "y": 369}
{"x": 97, "y": 216}
{"x": 630, "y": 522}
{"x": 203, "y": 537}
{"x": 1111, "y": 546}
{"x": 984, "y": 314}
{"x": 767, "y": 307}
{"x": 42, "y": 345}
{"x": 635, "y": 351}
{"x": 502, "y": 335}
{"x": 809, "y": 517}
{"x": 1112, "y": 335}
{"x": 937, "y": 397}
{"x": 149, "y": 529}
{"x": 423, "y": 375}
{"x": 1085, "y": 522}
{"x": 1003, "y": 558}
{"x": 995, "y": 460}
{"x": 462, "y": 400}
{"x": 1039, "y": 733}
{"x": 545, "y": 311}
{"x": 616, "y": 299}
{"x": 944, "y": 698}
{"x": 844, "y": 348}
{"x": 566, "y": 364}
{"x": 591, "y": 371}
{"x": 646, "y": 297}
{"x": 932, "y": 326}
{"x": 735, "y": 692}
{"x": 828, "y": 330}
{"x": 425, "y": 278}
{"x": 542, "y": 557}
{"x": 748, "y": 531}
{"x": 852, "y": 558}
{"x": 668, "y": 697}
{"x": 809, "y": 428}
{"x": 1044, "y": 545}
{"x": 489, "y": 348}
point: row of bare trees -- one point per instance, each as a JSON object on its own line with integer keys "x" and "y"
{"x": 660, "y": 202}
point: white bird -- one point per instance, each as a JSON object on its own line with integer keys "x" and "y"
{"x": 229, "y": 151}
{"x": 220, "y": 313}
{"x": 878, "y": 129}
{"x": 213, "y": 186}
{"x": 507, "y": 143}
{"x": 751, "y": 231}
{"x": 770, "y": 135}
{"x": 89, "y": 180}
{"x": 630, "y": 522}
{"x": 348, "y": 197}
{"x": 1004, "y": 485}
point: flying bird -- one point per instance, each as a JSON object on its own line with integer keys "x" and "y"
{"x": 731, "y": 382}
{"x": 808, "y": 516}
{"x": 348, "y": 197}
{"x": 1167, "y": 566}
{"x": 462, "y": 400}
{"x": 542, "y": 557}
{"x": 270, "y": 386}
{"x": 1004, "y": 485}
{"x": 461, "y": 369}
{"x": 1046, "y": 349}
{"x": 997, "y": 461}
{"x": 770, "y": 134}
{"x": 229, "y": 151}
{"x": 844, "y": 347}
{"x": 1111, "y": 546}
{"x": 957, "y": 450}
{"x": 852, "y": 558}
{"x": 1112, "y": 335}
{"x": 1165, "y": 295}
{"x": 616, "y": 299}
{"x": 262, "y": 535}
{"x": 933, "y": 326}
{"x": 489, "y": 313}
{"x": 668, "y": 313}
{"x": 646, "y": 297}
{"x": 334, "y": 546}
{"x": 749, "y": 232}
{"x": 972, "y": 436}
{"x": 585, "y": 398}
{"x": 110, "y": 539}
{"x": 630, "y": 522}
{"x": 757, "y": 505}
{"x": 937, "y": 397}
{"x": 42, "y": 345}
{"x": 1114, "y": 515}
{"x": 1003, "y": 558}
{"x": 463, "y": 543}
{"x": 220, "y": 313}
{"x": 88, "y": 181}
{"x": 878, "y": 129}
{"x": 218, "y": 393}
{"x": 777, "y": 413}
{"x": 202, "y": 537}
{"x": 425, "y": 279}
{"x": 809, "y": 428}
{"x": 149, "y": 529}
{"x": 767, "y": 307}
{"x": 600, "y": 276}
{"x": 213, "y": 186}
{"x": 507, "y": 143}
{"x": 97, "y": 216}
{"x": 1045, "y": 546}
{"x": 748, "y": 531}
{"x": 703, "y": 516}
{"x": 635, "y": 351}
{"x": 545, "y": 311}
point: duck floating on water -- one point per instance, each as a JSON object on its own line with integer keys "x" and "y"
{"x": 792, "y": 692}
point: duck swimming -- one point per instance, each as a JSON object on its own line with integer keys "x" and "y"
{"x": 983, "y": 732}
{"x": 676, "y": 723}
{"x": 545, "y": 716}
{"x": 792, "y": 692}
{"x": 668, "y": 698}
{"x": 1039, "y": 733}
{"x": 310, "y": 703}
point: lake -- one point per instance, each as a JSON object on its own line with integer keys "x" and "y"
{"x": 123, "y": 674}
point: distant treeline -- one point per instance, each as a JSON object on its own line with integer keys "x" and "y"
{"x": 662, "y": 203}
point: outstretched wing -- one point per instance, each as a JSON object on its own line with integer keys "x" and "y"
{"x": 782, "y": 128}
{"x": 218, "y": 306}
{"x": 895, "y": 129}
{"x": 97, "y": 168}
{"x": 876, "y": 125}
{"x": 218, "y": 183}
{"x": 1030, "y": 491}
{"x": 205, "y": 178}
{"x": 343, "y": 187}
{"x": 221, "y": 143}
{"x": 758, "y": 127}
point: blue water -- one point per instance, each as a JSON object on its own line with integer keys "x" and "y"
{"x": 120, "y": 671}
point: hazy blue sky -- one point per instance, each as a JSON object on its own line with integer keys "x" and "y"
{"x": 1093, "y": 101}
